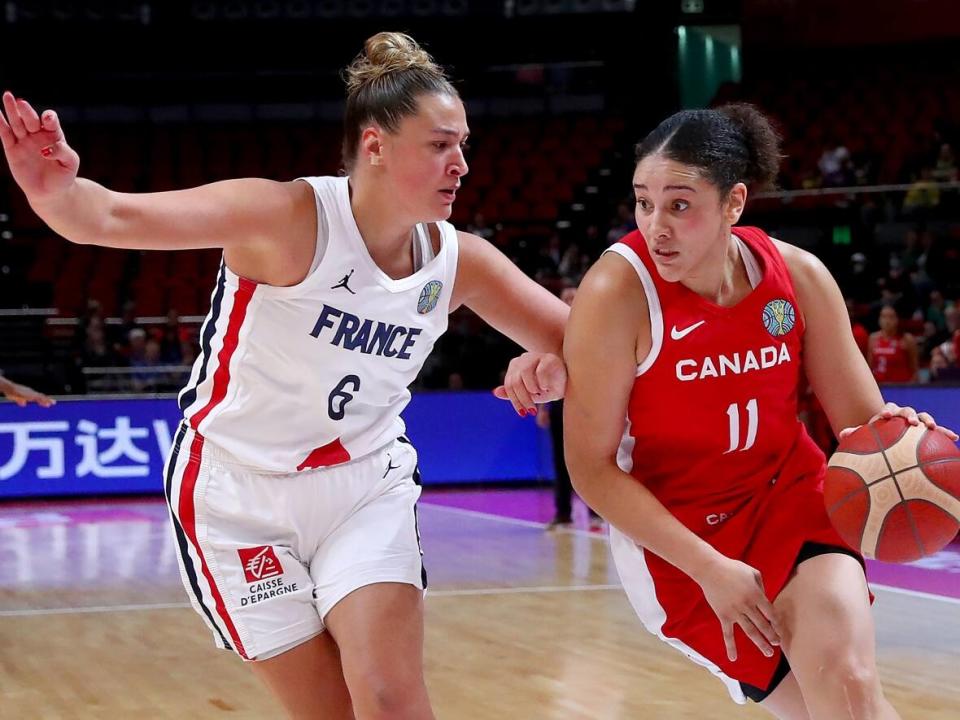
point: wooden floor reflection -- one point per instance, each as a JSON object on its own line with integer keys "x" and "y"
{"x": 521, "y": 623}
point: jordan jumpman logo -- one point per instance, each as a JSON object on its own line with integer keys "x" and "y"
{"x": 390, "y": 466}
{"x": 343, "y": 283}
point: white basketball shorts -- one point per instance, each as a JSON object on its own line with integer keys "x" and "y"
{"x": 265, "y": 556}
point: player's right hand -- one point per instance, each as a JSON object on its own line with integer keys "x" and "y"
{"x": 40, "y": 160}
{"x": 533, "y": 378}
{"x": 735, "y": 592}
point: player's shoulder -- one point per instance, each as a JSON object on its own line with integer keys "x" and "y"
{"x": 613, "y": 279}
{"x": 476, "y": 256}
{"x": 471, "y": 243}
{"x": 809, "y": 274}
{"x": 797, "y": 259}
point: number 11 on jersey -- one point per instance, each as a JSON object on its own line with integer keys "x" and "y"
{"x": 733, "y": 413}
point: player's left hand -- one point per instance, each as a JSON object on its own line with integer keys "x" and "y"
{"x": 912, "y": 416}
{"x": 533, "y": 378}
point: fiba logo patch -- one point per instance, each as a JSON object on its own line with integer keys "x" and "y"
{"x": 429, "y": 296}
{"x": 259, "y": 563}
{"x": 779, "y": 317}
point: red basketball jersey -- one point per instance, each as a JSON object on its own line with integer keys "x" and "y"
{"x": 891, "y": 360}
{"x": 713, "y": 412}
{"x": 712, "y": 431}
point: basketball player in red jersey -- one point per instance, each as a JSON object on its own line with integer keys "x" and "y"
{"x": 892, "y": 355}
{"x": 694, "y": 332}
{"x": 291, "y": 486}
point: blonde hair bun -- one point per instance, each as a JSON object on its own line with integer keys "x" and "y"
{"x": 386, "y": 53}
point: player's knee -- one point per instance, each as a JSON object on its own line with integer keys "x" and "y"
{"x": 855, "y": 680}
{"x": 388, "y": 693}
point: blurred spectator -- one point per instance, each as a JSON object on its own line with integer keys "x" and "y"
{"x": 860, "y": 283}
{"x": 931, "y": 339}
{"x": 865, "y": 169}
{"x": 623, "y": 224}
{"x": 145, "y": 353}
{"x": 923, "y": 195}
{"x": 188, "y": 347}
{"x": 951, "y": 346}
{"x": 570, "y": 264}
{"x": 911, "y": 252}
{"x": 860, "y": 333}
{"x": 892, "y": 356}
{"x": 547, "y": 262}
{"x": 941, "y": 369}
{"x": 900, "y": 290}
{"x": 136, "y": 346}
{"x": 836, "y": 167}
{"x": 96, "y": 352}
{"x": 936, "y": 311}
{"x": 92, "y": 313}
{"x": 945, "y": 169}
{"x": 121, "y": 334}
{"x": 171, "y": 339}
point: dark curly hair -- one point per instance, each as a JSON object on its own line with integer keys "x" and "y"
{"x": 731, "y": 144}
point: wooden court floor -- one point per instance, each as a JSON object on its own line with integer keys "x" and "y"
{"x": 521, "y": 623}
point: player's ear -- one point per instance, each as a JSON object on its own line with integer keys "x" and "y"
{"x": 736, "y": 201}
{"x": 371, "y": 145}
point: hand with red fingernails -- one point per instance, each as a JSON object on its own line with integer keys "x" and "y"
{"x": 533, "y": 378}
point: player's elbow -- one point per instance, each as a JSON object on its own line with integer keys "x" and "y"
{"x": 584, "y": 472}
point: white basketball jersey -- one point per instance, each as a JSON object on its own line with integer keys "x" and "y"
{"x": 316, "y": 374}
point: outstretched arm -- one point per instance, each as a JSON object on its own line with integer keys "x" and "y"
{"x": 245, "y": 216}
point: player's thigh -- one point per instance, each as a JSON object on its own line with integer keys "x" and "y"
{"x": 308, "y": 679}
{"x": 369, "y": 579}
{"x": 825, "y": 613}
{"x": 786, "y": 700}
{"x": 379, "y": 630}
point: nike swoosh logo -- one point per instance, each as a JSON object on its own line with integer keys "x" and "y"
{"x": 680, "y": 334}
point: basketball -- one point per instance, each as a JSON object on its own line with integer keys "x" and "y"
{"x": 892, "y": 490}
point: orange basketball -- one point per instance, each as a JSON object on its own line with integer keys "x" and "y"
{"x": 892, "y": 490}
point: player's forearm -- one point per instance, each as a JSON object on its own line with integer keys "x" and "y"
{"x": 630, "y": 507}
{"x": 81, "y": 214}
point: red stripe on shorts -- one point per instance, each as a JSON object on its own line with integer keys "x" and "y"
{"x": 188, "y": 519}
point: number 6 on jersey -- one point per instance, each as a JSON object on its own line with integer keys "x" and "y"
{"x": 733, "y": 412}
{"x": 339, "y": 397}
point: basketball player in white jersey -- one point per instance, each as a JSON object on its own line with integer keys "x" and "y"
{"x": 292, "y": 489}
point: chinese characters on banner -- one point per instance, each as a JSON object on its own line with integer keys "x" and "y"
{"x": 83, "y": 446}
